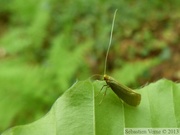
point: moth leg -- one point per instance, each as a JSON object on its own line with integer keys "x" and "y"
{"x": 107, "y": 86}
{"x": 101, "y": 89}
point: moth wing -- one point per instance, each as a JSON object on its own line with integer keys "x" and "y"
{"x": 128, "y": 95}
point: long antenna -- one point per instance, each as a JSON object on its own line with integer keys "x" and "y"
{"x": 110, "y": 40}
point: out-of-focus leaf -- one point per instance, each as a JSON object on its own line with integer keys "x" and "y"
{"x": 131, "y": 71}
{"x": 21, "y": 87}
{"x": 64, "y": 62}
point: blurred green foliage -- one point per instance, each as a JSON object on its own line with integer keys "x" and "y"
{"x": 46, "y": 45}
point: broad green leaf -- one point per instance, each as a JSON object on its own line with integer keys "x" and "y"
{"x": 78, "y": 111}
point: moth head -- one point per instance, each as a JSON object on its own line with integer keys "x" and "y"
{"x": 106, "y": 77}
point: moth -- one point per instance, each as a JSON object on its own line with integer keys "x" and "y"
{"x": 125, "y": 93}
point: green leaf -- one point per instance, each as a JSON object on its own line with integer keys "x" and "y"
{"x": 78, "y": 111}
